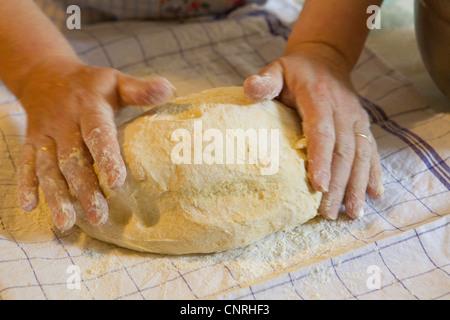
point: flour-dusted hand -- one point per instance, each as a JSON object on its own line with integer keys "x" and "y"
{"x": 313, "y": 76}
{"x": 343, "y": 161}
{"x": 70, "y": 108}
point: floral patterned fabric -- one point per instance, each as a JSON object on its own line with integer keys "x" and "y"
{"x": 106, "y": 10}
{"x": 195, "y": 7}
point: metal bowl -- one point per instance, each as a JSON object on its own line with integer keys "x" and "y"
{"x": 432, "y": 20}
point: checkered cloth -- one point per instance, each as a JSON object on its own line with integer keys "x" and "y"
{"x": 402, "y": 241}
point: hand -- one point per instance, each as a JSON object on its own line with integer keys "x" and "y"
{"x": 70, "y": 108}
{"x": 316, "y": 81}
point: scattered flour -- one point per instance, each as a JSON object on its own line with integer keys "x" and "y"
{"x": 104, "y": 266}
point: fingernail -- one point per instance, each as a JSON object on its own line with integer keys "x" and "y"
{"x": 65, "y": 219}
{"x": 162, "y": 91}
{"x": 325, "y": 211}
{"x": 322, "y": 181}
{"x": 97, "y": 217}
{"x": 98, "y": 213}
{"x": 359, "y": 213}
{"x": 114, "y": 172}
{"x": 261, "y": 89}
{"x": 380, "y": 190}
{"x": 28, "y": 201}
{"x": 354, "y": 206}
{"x": 117, "y": 179}
{"x": 333, "y": 215}
{"x": 330, "y": 216}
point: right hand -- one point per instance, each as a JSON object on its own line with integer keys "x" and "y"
{"x": 343, "y": 165}
{"x": 70, "y": 108}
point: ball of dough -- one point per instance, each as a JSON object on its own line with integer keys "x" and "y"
{"x": 208, "y": 172}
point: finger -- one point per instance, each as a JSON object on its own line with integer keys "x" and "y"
{"x": 375, "y": 189}
{"x": 54, "y": 186}
{"x": 359, "y": 178}
{"x": 100, "y": 136}
{"x": 27, "y": 180}
{"x": 134, "y": 91}
{"x": 76, "y": 166}
{"x": 343, "y": 156}
{"x": 267, "y": 85}
{"x": 318, "y": 128}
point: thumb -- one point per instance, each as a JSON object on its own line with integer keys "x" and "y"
{"x": 267, "y": 85}
{"x": 135, "y": 91}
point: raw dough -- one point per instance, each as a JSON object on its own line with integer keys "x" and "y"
{"x": 177, "y": 208}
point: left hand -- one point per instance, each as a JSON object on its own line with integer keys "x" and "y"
{"x": 70, "y": 111}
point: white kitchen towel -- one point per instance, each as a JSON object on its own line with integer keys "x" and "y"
{"x": 398, "y": 250}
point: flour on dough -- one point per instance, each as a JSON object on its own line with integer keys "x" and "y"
{"x": 180, "y": 208}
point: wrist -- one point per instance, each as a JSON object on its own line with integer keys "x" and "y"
{"x": 322, "y": 52}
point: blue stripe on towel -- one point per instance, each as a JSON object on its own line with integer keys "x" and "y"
{"x": 425, "y": 152}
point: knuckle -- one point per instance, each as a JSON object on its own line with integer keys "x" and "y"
{"x": 84, "y": 98}
{"x": 337, "y": 189}
{"x": 78, "y": 174}
{"x": 44, "y": 170}
{"x": 65, "y": 166}
{"x": 353, "y": 195}
{"x": 365, "y": 117}
{"x": 26, "y": 173}
{"x": 321, "y": 90}
{"x": 363, "y": 154}
{"x": 96, "y": 126}
{"x": 70, "y": 162}
{"x": 27, "y": 157}
{"x": 362, "y": 122}
{"x": 344, "y": 149}
{"x": 323, "y": 131}
{"x": 376, "y": 159}
{"x": 353, "y": 108}
{"x": 95, "y": 132}
{"x": 96, "y": 135}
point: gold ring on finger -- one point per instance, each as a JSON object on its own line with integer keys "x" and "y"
{"x": 364, "y": 136}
